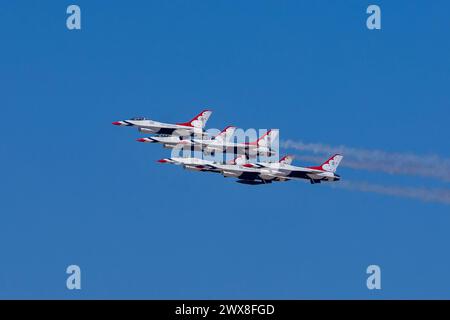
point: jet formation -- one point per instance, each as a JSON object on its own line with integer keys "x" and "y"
{"x": 244, "y": 167}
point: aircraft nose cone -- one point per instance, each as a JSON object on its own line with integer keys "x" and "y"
{"x": 117, "y": 123}
{"x": 141, "y": 140}
{"x": 162, "y": 161}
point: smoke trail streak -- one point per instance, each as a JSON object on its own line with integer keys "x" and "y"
{"x": 431, "y": 166}
{"x": 428, "y": 195}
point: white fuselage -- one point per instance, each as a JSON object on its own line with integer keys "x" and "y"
{"x": 208, "y": 145}
{"x": 155, "y": 127}
{"x": 190, "y": 163}
{"x": 231, "y": 147}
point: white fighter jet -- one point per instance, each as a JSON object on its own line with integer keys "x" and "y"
{"x": 195, "y": 126}
{"x": 171, "y": 142}
{"x": 267, "y": 172}
{"x": 262, "y": 172}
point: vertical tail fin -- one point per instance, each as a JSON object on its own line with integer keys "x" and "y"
{"x": 199, "y": 121}
{"x": 225, "y": 135}
{"x": 239, "y": 160}
{"x": 267, "y": 138}
{"x": 286, "y": 159}
{"x": 331, "y": 164}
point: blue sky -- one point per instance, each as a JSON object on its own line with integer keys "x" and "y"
{"x": 77, "y": 190}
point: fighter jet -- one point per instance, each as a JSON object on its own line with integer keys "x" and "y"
{"x": 195, "y": 126}
{"x": 197, "y": 164}
{"x": 171, "y": 142}
{"x": 263, "y": 173}
{"x": 262, "y": 146}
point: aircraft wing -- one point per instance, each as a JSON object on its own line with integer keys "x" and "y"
{"x": 298, "y": 172}
{"x": 277, "y": 176}
{"x": 238, "y": 171}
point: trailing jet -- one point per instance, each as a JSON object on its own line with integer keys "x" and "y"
{"x": 171, "y": 142}
{"x": 262, "y": 146}
{"x": 262, "y": 173}
{"x": 195, "y": 126}
{"x": 197, "y": 164}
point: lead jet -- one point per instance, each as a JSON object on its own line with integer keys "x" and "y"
{"x": 267, "y": 172}
{"x": 171, "y": 142}
{"x": 260, "y": 147}
{"x": 195, "y": 126}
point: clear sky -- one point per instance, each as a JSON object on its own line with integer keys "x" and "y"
{"x": 77, "y": 190}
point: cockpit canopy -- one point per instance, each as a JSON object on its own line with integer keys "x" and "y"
{"x": 138, "y": 118}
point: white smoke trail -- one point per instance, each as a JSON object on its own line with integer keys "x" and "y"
{"x": 428, "y": 195}
{"x": 376, "y": 160}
